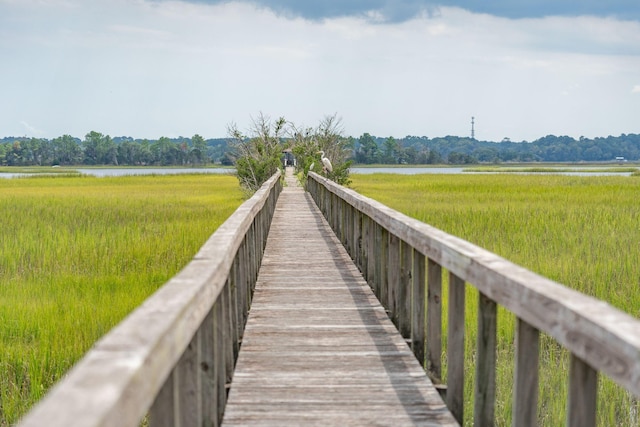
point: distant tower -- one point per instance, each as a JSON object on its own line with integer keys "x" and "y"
{"x": 473, "y": 131}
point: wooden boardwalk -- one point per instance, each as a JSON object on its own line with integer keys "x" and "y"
{"x": 318, "y": 348}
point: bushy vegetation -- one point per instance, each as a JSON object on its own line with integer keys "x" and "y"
{"x": 257, "y": 157}
{"x": 79, "y": 253}
{"x": 259, "y": 154}
{"x": 580, "y": 231}
{"x": 328, "y": 138}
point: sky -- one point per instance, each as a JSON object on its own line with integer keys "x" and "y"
{"x": 523, "y": 69}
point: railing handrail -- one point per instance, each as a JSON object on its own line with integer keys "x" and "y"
{"x": 117, "y": 381}
{"x": 604, "y": 337}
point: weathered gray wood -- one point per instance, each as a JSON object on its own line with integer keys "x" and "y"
{"x": 189, "y": 389}
{"x": 485, "y": 383}
{"x": 583, "y": 387}
{"x": 434, "y": 321}
{"x": 525, "y": 395}
{"x": 221, "y": 345}
{"x": 383, "y": 254}
{"x": 593, "y": 330}
{"x": 207, "y": 371}
{"x": 403, "y": 296}
{"x": 455, "y": 348}
{"x": 318, "y": 348}
{"x": 393, "y": 276}
{"x": 418, "y": 308}
{"x": 162, "y": 412}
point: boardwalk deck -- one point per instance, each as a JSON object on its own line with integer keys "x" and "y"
{"x": 319, "y": 348}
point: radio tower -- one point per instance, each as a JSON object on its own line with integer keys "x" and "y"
{"x": 473, "y": 132}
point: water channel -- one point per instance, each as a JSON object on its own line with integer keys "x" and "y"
{"x": 110, "y": 172}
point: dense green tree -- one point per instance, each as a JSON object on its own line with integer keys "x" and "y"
{"x": 367, "y": 151}
{"x": 66, "y": 151}
{"x": 198, "y": 150}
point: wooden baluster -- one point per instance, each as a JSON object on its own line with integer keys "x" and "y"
{"x": 525, "y": 394}
{"x": 418, "y": 313}
{"x": 403, "y": 300}
{"x": 455, "y": 348}
{"x": 583, "y": 387}
{"x": 434, "y": 322}
{"x": 207, "y": 371}
{"x": 188, "y": 387}
{"x": 162, "y": 412}
{"x": 393, "y": 274}
{"x": 383, "y": 257}
{"x": 485, "y": 389}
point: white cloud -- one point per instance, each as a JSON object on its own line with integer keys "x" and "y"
{"x": 148, "y": 69}
{"x": 636, "y": 89}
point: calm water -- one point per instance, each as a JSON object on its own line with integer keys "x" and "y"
{"x": 133, "y": 171}
{"x": 104, "y": 172}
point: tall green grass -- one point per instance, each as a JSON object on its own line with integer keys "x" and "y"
{"x": 77, "y": 254}
{"x": 580, "y": 231}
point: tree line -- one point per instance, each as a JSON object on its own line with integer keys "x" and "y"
{"x": 99, "y": 149}
{"x": 369, "y": 149}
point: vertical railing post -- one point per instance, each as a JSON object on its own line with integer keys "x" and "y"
{"x": 393, "y": 275}
{"x": 485, "y": 388}
{"x": 455, "y": 348}
{"x": 525, "y": 394}
{"x": 189, "y": 389}
{"x": 403, "y": 300}
{"x": 371, "y": 254}
{"x": 434, "y": 321}
{"x": 418, "y": 312}
{"x": 162, "y": 412}
{"x": 383, "y": 254}
{"x": 207, "y": 371}
{"x": 583, "y": 387}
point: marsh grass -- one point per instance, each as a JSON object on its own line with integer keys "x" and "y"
{"x": 579, "y": 231}
{"x": 77, "y": 254}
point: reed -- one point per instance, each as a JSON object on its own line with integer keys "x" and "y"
{"x": 79, "y": 253}
{"x": 579, "y": 231}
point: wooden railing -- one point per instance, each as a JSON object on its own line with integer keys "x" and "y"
{"x": 395, "y": 253}
{"x": 172, "y": 358}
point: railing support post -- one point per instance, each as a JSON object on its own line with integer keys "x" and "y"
{"x": 525, "y": 396}
{"x": 434, "y": 321}
{"x": 418, "y": 312}
{"x": 455, "y": 348}
{"x": 485, "y": 389}
{"x": 583, "y": 387}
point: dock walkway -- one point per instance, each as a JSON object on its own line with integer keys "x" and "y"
{"x": 318, "y": 347}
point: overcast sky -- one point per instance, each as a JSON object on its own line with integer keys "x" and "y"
{"x": 149, "y": 68}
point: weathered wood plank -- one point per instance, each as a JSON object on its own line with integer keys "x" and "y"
{"x": 319, "y": 348}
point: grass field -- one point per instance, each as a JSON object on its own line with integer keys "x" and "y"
{"x": 580, "y": 231}
{"x": 79, "y": 253}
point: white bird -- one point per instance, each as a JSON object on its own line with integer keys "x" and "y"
{"x": 312, "y": 166}
{"x": 326, "y": 162}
